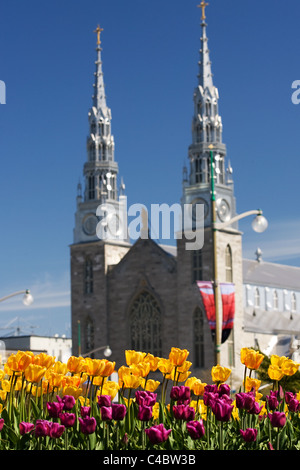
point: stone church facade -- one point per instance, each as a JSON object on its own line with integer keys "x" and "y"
{"x": 141, "y": 295}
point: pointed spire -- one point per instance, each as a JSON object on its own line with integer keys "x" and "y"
{"x": 205, "y": 74}
{"x": 99, "y": 99}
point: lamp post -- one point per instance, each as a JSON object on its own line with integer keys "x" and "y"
{"x": 27, "y": 299}
{"x": 259, "y": 224}
{"x": 107, "y": 350}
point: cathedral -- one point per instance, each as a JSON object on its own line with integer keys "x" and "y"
{"x": 145, "y": 296}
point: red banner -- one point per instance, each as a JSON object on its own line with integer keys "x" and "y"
{"x": 228, "y": 304}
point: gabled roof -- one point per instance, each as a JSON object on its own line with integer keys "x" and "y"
{"x": 271, "y": 274}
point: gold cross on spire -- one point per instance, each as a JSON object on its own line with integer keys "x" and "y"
{"x": 98, "y": 31}
{"x": 203, "y": 5}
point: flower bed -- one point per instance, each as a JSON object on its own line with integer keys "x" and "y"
{"x": 46, "y": 404}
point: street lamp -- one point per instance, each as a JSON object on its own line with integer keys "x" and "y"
{"x": 107, "y": 351}
{"x": 259, "y": 224}
{"x": 27, "y": 298}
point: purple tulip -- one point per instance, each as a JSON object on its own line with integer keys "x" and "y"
{"x": 144, "y": 413}
{"x": 289, "y": 396}
{"x": 209, "y": 398}
{"x": 85, "y": 411}
{"x": 106, "y": 413}
{"x": 184, "y": 412}
{"x": 272, "y": 400}
{"x": 157, "y": 434}
{"x": 42, "y": 428}
{"x": 143, "y": 397}
{"x": 211, "y": 388}
{"x": 224, "y": 389}
{"x": 256, "y": 409}
{"x": 87, "y": 425}
{"x": 180, "y": 393}
{"x": 245, "y": 401}
{"x": 56, "y": 430}
{"x": 104, "y": 400}
{"x": 293, "y": 405}
{"x": 118, "y": 411}
{"x": 195, "y": 429}
{"x": 221, "y": 409}
{"x": 67, "y": 419}
{"x": 249, "y": 435}
{"x": 277, "y": 418}
{"x": 54, "y": 408}
{"x": 69, "y": 402}
{"x": 25, "y": 427}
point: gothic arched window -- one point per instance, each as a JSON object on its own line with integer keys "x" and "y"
{"x": 228, "y": 264}
{"x": 88, "y": 276}
{"x": 145, "y": 324}
{"x": 198, "y": 322}
{"x": 89, "y": 335}
{"x": 196, "y": 265}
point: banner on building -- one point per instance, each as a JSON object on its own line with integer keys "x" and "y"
{"x": 228, "y": 305}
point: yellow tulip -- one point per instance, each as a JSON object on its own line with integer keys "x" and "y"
{"x": 55, "y": 380}
{"x": 251, "y": 383}
{"x": 198, "y": 387}
{"x": 110, "y": 388}
{"x": 73, "y": 381}
{"x": 151, "y": 385}
{"x": 43, "y": 360}
{"x": 60, "y": 367}
{"x": 289, "y": 367}
{"x": 155, "y": 410}
{"x": 73, "y": 391}
{"x": 165, "y": 366}
{"x": 6, "y": 385}
{"x": 251, "y": 358}
{"x": 190, "y": 381}
{"x": 19, "y": 362}
{"x": 184, "y": 367}
{"x": 153, "y": 361}
{"x": 101, "y": 367}
{"x": 3, "y": 395}
{"x": 76, "y": 365}
{"x": 178, "y": 356}
{"x": 220, "y": 374}
{"x": 140, "y": 370}
{"x": 34, "y": 373}
{"x": 277, "y": 360}
{"x": 133, "y": 357}
{"x": 275, "y": 372}
{"x": 131, "y": 381}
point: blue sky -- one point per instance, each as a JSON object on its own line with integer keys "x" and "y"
{"x": 150, "y": 55}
